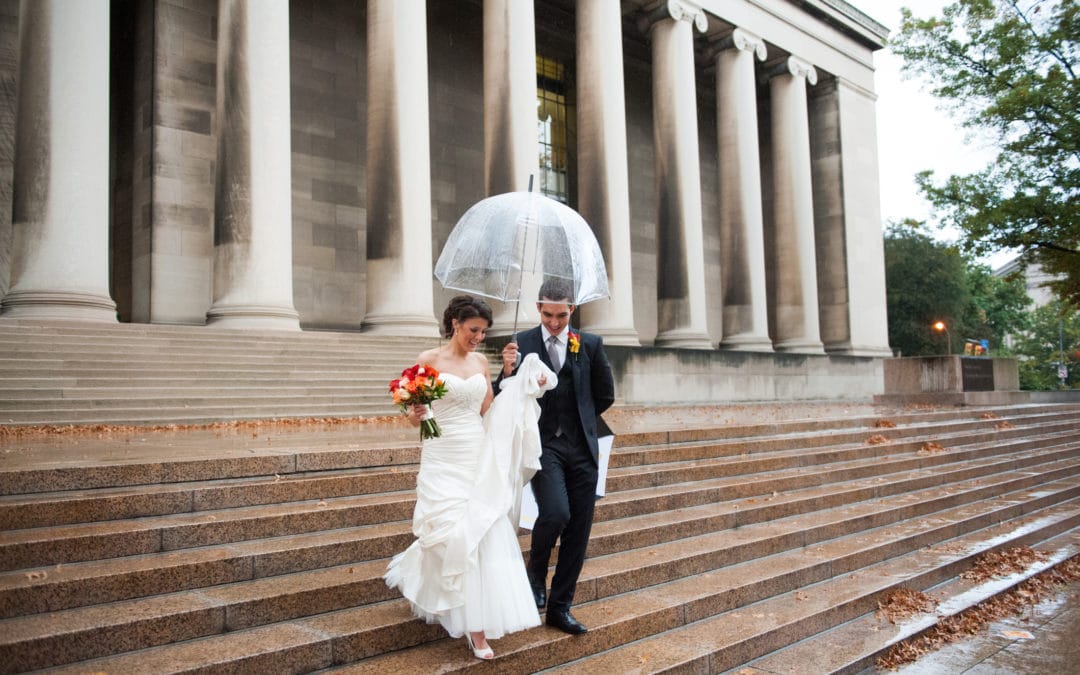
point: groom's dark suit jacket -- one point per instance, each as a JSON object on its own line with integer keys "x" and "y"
{"x": 594, "y": 387}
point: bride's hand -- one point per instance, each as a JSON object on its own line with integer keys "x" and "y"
{"x": 416, "y": 413}
{"x": 542, "y": 380}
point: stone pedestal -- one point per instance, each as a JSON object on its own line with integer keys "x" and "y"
{"x": 951, "y": 380}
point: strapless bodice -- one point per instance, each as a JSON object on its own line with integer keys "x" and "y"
{"x": 459, "y": 409}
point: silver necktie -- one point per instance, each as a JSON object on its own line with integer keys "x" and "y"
{"x": 553, "y": 352}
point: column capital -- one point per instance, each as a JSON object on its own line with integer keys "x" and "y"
{"x": 679, "y": 10}
{"x": 793, "y": 66}
{"x": 744, "y": 41}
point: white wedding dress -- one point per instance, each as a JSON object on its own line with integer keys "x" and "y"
{"x": 465, "y": 568}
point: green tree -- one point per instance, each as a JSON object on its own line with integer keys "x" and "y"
{"x": 997, "y": 307}
{"x": 1008, "y": 70}
{"x": 924, "y": 283}
{"x": 928, "y": 281}
{"x": 1054, "y": 332}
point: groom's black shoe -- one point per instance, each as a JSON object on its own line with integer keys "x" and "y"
{"x": 565, "y": 622}
{"x": 539, "y": 595}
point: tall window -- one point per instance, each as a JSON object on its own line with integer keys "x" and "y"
{"x": 554, "y": 126}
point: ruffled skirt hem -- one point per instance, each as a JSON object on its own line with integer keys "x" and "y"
{"x": 493, "y": 597}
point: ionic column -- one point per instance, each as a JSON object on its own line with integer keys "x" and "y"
{"x": 794, "y": 258}
{"x": 603, "y": 181}
{"x": 680, "y": 255}
{"x": 742, "y": 243}
{"x": 60, "y": 209}
{"x": 510, "y": 145}
{"x": 253, "y": 196}
{"x": 399, "y": 291}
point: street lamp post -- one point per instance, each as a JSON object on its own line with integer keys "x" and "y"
{"x": 940, "y": 326}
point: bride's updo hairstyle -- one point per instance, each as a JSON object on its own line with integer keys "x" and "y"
{"x": 463, "y": 308}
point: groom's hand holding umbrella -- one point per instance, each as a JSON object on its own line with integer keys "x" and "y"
{"x": 510, "y": 358}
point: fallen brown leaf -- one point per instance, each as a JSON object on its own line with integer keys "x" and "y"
{"x": 1044, "y": 585}
{"x": 996, "y": 564}
{"x": 930, "y": 448}
{"x": 901, "y": 603}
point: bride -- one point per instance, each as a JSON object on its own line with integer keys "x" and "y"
{"x": 465, "y": 569}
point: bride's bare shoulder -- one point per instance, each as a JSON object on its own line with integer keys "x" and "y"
{"x": 428, "y": 355}
{"x": 479, "y": 362}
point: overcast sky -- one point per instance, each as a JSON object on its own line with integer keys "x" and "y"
{"x": 913, "y": 132}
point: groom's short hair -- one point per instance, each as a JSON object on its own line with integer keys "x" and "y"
{"x": 555, "y": 289}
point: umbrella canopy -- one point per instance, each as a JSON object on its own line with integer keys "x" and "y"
{"x": 503, "y": 240}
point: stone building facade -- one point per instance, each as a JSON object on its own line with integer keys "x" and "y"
{"x": 298, "y": 164}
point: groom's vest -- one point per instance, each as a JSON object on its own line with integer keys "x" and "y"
{"x": 561, "y": 408}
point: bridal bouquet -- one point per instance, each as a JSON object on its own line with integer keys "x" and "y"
{"x": 419, "y": 384}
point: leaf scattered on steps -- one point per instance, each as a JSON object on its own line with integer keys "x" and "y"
{"x": 901, "y": 603}
{"x": 885, "y": 424}
{"x": 1042, "y": 586}
{"x": 996, "y": 564}
{"x": 1004, "y": 424}
{"x": 877, "y": 439}
{"x": 930, "y": 448}
{"x": 1017, "y": 634}
{"x": 989, "y": 416}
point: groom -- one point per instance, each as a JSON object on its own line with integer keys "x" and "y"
{"x": 565, "y": 486}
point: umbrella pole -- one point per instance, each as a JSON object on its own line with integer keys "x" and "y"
{"x": 517, "y": 305}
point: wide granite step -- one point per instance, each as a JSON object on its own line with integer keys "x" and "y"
{"x": 72, "y": 585}
{"x": 232, "y": 607}
{"x": 203, "y": 526}
{"x": 701, "y": 642}
{"x": 856, "y": 570}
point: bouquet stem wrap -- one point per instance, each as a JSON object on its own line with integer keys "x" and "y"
{"x": 429, "y": 428}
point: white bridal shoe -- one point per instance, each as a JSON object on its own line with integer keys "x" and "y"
{"x": 485, "y": 653}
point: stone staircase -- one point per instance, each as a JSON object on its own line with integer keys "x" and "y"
{"x": 718, "y": 545}
{"x": 78, "y": 373}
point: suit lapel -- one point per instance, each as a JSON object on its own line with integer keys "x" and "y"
{"x": 533, "y": 341}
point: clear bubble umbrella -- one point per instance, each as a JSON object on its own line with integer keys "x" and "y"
{"x": 516, "y": 239}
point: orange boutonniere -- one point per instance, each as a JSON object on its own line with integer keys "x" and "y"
{"x": 574, "y": 343}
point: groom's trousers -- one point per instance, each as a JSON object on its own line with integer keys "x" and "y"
{"x": 565, "y": 491}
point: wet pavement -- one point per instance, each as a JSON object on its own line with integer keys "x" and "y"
{"x": 1045, "y": 640}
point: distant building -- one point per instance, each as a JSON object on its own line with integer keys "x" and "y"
{"x": 1034, "y": 278}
